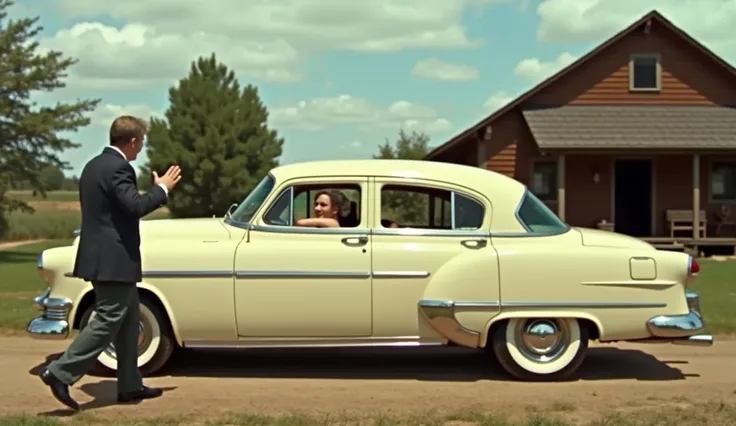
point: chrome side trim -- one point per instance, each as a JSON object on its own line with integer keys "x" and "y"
{"x": 187, "y": 274}
{"x": 441, "y": 317}
{"x": 280, "y": 274}
{"x": 270, "y": 343}
{"x": 582, "y": 305}
{"x": 301, "y": 274}
{"x": 400, "y": 274}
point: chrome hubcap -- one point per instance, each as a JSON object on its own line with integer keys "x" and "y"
{"x": 145, "y": 336}
{"x": 542, "y": 340}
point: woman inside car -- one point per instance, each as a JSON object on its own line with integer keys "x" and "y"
{"x": 330, "y": 207}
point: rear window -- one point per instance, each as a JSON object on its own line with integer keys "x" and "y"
{"x": 536, "y": 217}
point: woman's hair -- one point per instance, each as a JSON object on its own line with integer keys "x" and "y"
{"x": 338, "y": 200}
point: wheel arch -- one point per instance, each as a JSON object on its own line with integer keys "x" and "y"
{"x": 144, "y": 291}
{"x": 586, "y": 320}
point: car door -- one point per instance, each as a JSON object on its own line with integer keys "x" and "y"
{"x": 436, "y": 222}
{"x": 301, "y": 282}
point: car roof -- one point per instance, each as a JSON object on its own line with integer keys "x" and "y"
{"x": 420, "y": 169}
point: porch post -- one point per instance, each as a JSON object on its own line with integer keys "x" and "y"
{"x": 696, "y": 196}
{"x": 561, "y": 186}
{"x": 481, "y": 153}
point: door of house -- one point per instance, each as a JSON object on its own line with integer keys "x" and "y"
{"x": 633, "y": 197}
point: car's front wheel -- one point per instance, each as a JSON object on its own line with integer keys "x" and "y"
{"x": 155, "y": 340}
{"x": 538, "y": 349}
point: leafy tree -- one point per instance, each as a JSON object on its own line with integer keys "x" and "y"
{"x": 52, "y": 177}
{"x": 414, "y": 146}
{"x": 28, "y": 133}
{"x": 218, "y": 134}
{"x": 403, "y": 206}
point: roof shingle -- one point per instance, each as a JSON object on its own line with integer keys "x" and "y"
{"x": 633, "y": 127}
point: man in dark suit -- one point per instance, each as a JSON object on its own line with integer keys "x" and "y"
{"x": 109, "y": 257}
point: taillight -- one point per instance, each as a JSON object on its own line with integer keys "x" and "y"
{"x": 693, "y": 267}
{"x": 692, "y": 270}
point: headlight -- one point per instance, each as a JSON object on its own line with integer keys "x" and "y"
{"x": 45, "y": 275}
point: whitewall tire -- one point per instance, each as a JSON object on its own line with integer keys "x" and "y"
{"x": 155, "y": 340}
{"x": 537, "y": 349}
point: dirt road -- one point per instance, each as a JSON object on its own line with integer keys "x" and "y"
{"x": 366, "y": 381}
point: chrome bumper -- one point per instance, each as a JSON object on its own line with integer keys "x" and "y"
{"x": 52, "y": 323}
{"x": 682, "y": 329}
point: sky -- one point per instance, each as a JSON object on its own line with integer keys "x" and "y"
{"x": 339, "y": 77}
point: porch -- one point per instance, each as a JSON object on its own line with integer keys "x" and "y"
{"x": 653, "y": 172}
{"x": 673, "y": 200}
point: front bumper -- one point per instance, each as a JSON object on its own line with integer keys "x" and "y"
{"x": 52, "y": 323}
{"x": 682, "y": 329}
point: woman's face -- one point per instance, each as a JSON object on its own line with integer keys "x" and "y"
{"x": 323, "y": 206}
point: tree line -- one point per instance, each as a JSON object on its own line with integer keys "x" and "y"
{"x": 215, "y": 128}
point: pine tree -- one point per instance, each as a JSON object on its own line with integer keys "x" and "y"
{"x": 219, "y": 136}
{"x": 29, "y": 143}
{"x": 402, "y": 206}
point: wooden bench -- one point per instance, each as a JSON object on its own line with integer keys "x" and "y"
{"x": 682, "y": 220}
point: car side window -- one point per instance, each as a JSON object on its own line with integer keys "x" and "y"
{"x": 413, "y": 206}
{"x": 298, "y": 201}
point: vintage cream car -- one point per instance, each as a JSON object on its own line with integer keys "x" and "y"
{"x": 471, "y": 259}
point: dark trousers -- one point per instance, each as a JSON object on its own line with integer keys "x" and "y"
{"x": 116, "y": 320}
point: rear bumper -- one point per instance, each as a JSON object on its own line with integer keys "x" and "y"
{"x": 52, "y": 324}
{"x": 681, "y": 329}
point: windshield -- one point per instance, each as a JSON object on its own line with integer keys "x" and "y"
{"x": 245, "y": 210}
{"x": 538, "y": 218}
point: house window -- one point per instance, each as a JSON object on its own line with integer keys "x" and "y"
{"x": 544, "y": 180}
{"x": 644, "y": 73}
{"x": 722, "y": 181}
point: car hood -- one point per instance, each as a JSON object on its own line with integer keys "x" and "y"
{"x": 599, "y": 238}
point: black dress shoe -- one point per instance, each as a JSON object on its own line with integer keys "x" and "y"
{"x": 59, "y": 389}
{"x": 142, "y": 393}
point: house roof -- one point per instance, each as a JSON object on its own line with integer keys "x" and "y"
{"x": 653, "y": 15}
{"x": 633, "y": 127}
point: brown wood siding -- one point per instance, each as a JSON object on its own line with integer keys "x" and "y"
{"x": 504, "y": 162}
{"x": 614, "y": 90}
{"x": 689, "y": 77}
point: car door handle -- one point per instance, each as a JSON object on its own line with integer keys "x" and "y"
{"x": 355, "y": 241}
{"x": 474, "y": 244}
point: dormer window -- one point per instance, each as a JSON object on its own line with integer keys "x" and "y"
{"x": 645, "y": 73}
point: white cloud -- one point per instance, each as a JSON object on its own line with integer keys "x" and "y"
{"x": 591, "y": 21}
{"x": 137, "y": 56}
{"x": 437, "y": 69}
{"x": 536, "y": 70}
{"x": 496, "y": 101}
{"x": 351, "y": 146}
{"x": 104, "y": 114}
{"x": 321, "y": 113}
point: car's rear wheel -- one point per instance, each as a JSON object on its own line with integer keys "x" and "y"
{"x": 538, "y": 349}
{"x": 155, "y": 340}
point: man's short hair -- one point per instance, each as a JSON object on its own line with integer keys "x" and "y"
{"x": 125, "y": 128}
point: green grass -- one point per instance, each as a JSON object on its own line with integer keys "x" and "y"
{"x": 28, "y": 196}
{"x": 51, "y": 224}
{"x": 716, "y": 285}
{"x": 715, "y": 414}
{"x": 21, "y": 283}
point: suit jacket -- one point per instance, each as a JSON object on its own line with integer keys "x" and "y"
{"x": 109, "y": 242}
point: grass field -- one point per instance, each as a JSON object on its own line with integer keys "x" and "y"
{"x": 715, "y": 414}
{"x": 55, "y": 217}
